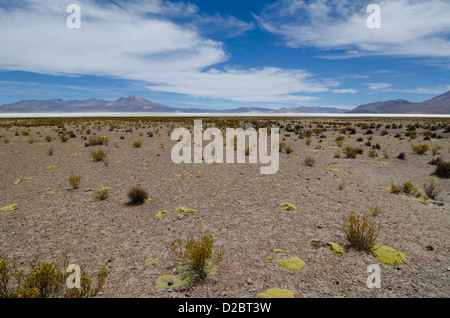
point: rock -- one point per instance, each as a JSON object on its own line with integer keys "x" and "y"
{"x": 249, "y": 281}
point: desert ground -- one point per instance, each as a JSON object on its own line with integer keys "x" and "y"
{"x": 234, "y": 203}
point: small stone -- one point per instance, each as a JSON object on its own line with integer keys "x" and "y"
{"x": 183, "y": 288}
{"x": 249, "y": 282}
{"x": 174, "y": 295}
{"x": 170, "y": 282}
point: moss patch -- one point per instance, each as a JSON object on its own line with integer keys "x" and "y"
{"x": 277, "y": 293}
{"x": 388, "y": 255}
{"x": 423, "y": 201}
{"x": 293, "y": 263}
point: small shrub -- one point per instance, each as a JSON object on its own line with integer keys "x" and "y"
{"x": 45, "y": 280}
{"x": 395, "y": 188}
{"x": 375, "y": 210}
{"x": 310, "y": 161}
{"x": 48, "y": 138}
{"x": 137, "y": 195}
{"x": 25, "y": 133}
{"x": 63, "y": 137}
{"x": 421, "y": 149}
{"x": 361, "y": 233}
{"x": 288, "y": 150}
{"x": 100, "y": 194}
{"x": 196, "y": 255}
{"x": 351, "y": 152}
{"x": 408, "y": 188}
{"x": 435, "y": 150}
{"x": 337, "y": 154}
{"x": 6, "y": 140}
{"x": 372, "y": 153}
{"x": 137, "y": 143}
{"x": 443, "y": 169}
{"x": 74, "y": 181}
{"x": 308, "y": 141}
{"x": 50, "y": 151}
{"x": 430, "y": 190}
{"x": 98, "y": 155}
{"x": 97, "y": 141}
{"x": 339, "y": 140}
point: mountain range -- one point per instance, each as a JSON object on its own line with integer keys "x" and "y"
{"x": 437, "y": 105}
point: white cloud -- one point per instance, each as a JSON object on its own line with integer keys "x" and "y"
{"x": 345, "y": 91}
{"x": 408, "y": 27}
{"x": 154, "y": 41}
{"x": 378, "y": 86}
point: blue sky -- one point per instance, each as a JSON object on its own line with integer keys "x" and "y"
{"x": 225, "y": 54}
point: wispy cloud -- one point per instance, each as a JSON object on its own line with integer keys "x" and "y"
{"x": 156, "y": 42}
{"x": 408, "y": 27}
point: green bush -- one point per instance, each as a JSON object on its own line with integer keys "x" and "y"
{"x": 196, "y": 254}
{"x": 45, "y": 280}
{"x": 361, "y": 233}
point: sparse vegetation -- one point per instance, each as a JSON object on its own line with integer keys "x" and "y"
{"x": 99, "y": 155}
{"x": 430, "y": 190}
{"x": 351, "y": 152}
{"x": 137, "y": 195}
{"x": 137, "y": 143}
{"x": 421, "y": 149}
{"x": 45, "y": 280}
{"x": 442, "y": 169}
{"x": 198, "y": 255}
{"x": 310, "y": 161}
{"x": 74, "y": 181}
{"x": 361, "y": 233}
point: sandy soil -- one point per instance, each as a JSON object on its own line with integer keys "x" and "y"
{"x": 237, "y": 205}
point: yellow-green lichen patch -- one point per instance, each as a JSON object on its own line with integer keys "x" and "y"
{"x": 185, "y": 212}
{"x": 293, "y": 263}
{"x": 11, "y": 207}
{"x": 282, "y": 251}
{"x": 21, "y": 180}
{"x": 288, "y": 207}
{"x": 423, "y": 201}
{"x": 160, "y": 214}
{"x": 277, "y": 293}
{"x": 316, "y": 243}
{"x": 49, "y": 167}
{"x": 388, "y": 255}
{"x": 59, "y": 191}
{"x": 334, "y": 169}
{"x": 152, "y": 261}
{"x": 337, "y": 249}
{"x": 432, "y": 178}
{"x": 168, "y": 281}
